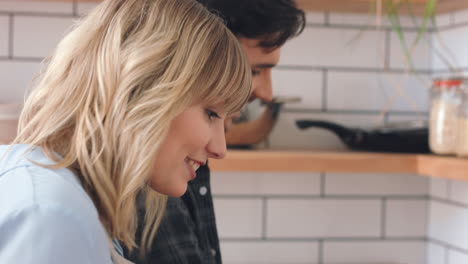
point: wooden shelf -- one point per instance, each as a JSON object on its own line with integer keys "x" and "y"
{"x": 445, "y": 167}
{"x": 347, "y": 162}
{"x": 367, "y": 6}
{"x": 359, "y": 6}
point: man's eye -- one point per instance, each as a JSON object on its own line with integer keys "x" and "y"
{"x": 212, "y": 114}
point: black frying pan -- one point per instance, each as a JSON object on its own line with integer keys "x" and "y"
{"x": 410, "y": 140}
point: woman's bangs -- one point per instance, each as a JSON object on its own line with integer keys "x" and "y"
{"x": 229, "y": 77}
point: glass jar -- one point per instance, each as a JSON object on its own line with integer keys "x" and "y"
{"x": 446, "y": 97}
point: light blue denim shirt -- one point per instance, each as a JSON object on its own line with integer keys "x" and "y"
{"x": 46, "y": 217}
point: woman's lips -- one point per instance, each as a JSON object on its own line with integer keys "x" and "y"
{"x": 192, "y": 166}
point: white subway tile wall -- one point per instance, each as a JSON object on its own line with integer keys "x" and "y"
{"x": 239, "y": 218}
{"x": 436, "y": 254}
{"x": 451, "y": 44}
{"x": 375, "y": 252}
{"x": 408, "y": 22}
{"x": 365, "y": 21}
{"x": 15, "y": 78}
{"x": 459, "y": 192}
{"x": 43, "y": 8}
{"x": 375, "y": 184}
{"x": 448, "y": 224}
{"x": 318, "y": 218}
{"x": 456, "y": 257}
{"x": 445, "y": 20}
{"x": 305, "y": 84}
{"x": 85, "y": 7}
{"x": 406, "y": 218}
{"x": 420, "y": 54}
{"x": 439, "y": 188}
{"x": 269, "y": 252}
{"x": 44, "y": 32}
{"x": 344, "y": 75}
{"x": 460, "y": 17}
{"x": 368, "y": 21}
{"x": 448, "y": 215}
{"x": 352, "y": 90}
{"x": 315, "y": 18}
{"x": 267, "y": 183}
{"x": 335, "y": 47}
{"x": 417, "y": 119}
{"x": 4, "y": 35}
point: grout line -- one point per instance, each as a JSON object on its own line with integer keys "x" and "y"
{"x": 432, "y": 52}
{"x": 449, "y": 202}
{"x": 439, "y": 71}
{"x": 320, "y": 197}
{"x": 386, "y": 118}
{"x": 23, "y": 59}
{"x": 449, "y": 189}
{"x": 428, "y": 222}
{"x": 387, "y": 49}
{"x": 75, "y": 8}
{"x": 326, "y": 23}
{"x": 454, "y": 26}
{"x": 39, "y": 14}
{"x": 348, "y": 69}
{"x": 351, "y": 112}
{"x": 264, "y": 218}
{"x": 426, "y": 253}
{"x": 324, "y": 239}
{"x": 358, "y": 27}
{"x": 323, "y": 182}
{"x": 383, "y": 219}
{"x": 446, "y": 255}
{"x": 452, "y": 18}
{"x": 320, "y": 251}
{"x": 326, "y": 20}
{"x": 324, "y": 89}
{"x": 449, "y": 246}
{"x": 11, "y": 35}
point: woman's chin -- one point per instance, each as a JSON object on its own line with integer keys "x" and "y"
{"x": 175, "y": 191}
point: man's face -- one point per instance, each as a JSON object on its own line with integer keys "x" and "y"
{"x": 261, "y": 60}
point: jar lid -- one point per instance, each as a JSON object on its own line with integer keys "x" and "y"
{"x": 448, "y": 82}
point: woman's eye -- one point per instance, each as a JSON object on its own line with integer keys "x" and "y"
{"x": 255, "y": 72}
{"x": 212, "y": 114}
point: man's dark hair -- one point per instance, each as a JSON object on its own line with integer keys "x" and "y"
{"x": 272, "y": 21}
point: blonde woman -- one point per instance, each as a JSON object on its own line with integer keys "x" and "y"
{"x": 132, "y": 102}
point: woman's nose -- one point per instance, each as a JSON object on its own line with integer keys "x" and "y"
{"x": 216, "y": 147}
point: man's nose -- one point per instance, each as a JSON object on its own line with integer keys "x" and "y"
{"x": 263, "y": 88}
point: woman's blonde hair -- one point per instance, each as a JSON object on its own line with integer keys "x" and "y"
{"x": 105, "y": 100}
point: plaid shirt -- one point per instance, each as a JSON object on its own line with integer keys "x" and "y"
{"x": 187, "y": 234}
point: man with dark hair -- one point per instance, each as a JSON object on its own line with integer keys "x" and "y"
{"x": 188, "y": 234}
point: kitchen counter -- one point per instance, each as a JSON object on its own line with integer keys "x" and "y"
{"x": 348, "y": 162}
